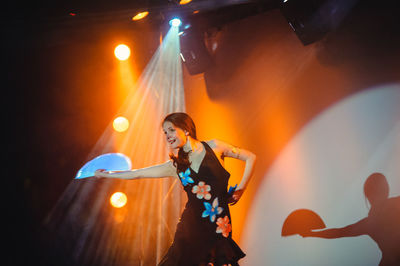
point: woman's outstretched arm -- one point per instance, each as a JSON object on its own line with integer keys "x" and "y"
{"x": 228, "y": 150}
{"x": 166, "y": 169}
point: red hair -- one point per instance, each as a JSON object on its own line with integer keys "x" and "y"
{"x": 184, "y": 122}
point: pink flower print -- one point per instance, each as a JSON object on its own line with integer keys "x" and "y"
{"x": 224, "y": 226}
{"x": 202, "y": 191}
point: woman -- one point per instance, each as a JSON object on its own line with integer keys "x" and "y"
{"x": 203, "y": 235}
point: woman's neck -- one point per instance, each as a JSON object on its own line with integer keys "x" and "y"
{"x": 191, "y": 145}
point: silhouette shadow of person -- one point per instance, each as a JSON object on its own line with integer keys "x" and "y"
{"x": 382, "y": 223}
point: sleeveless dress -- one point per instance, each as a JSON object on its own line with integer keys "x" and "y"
{"x": 204, "y": 232}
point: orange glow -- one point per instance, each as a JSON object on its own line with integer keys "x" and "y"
{"x": 120, "y": 215}
{"x": 122, "y": 52}
{"x": 125, "y": 85}
{"x": 118, "y": 200}
{"x": 140, "y": 15}
{"x": 184, "y": 2}
{"x": 120, "y": 124}
{"x": 126, "y": 78}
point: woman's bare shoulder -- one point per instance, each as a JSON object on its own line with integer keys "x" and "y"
{"x": 213, "y": 143}
{"x": 216, "y": 144}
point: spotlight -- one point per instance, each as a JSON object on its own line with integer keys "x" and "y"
{"x": 140, "y": 15}
{"x": 122, "y": 52}
{"x": 311, "y": 20}
{"x": 118, "y": 200}
{"x": 175, "y": 22}
{"x": 120, "y": 124}
{"x": 301, "y": 18}
{"x": 194, "y": 53}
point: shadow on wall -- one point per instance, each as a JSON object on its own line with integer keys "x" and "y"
{"x": 381, "y": 224}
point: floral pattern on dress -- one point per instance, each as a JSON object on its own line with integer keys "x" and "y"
{"x": 202, "y": 190}
{"x": 224, "y": 226}
{"x": 185, "y": 177}
{"x": 212, "y": 210}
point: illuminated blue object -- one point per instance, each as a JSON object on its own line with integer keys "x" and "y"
{"x": 175, "y": 22}
{"x": 108, "y": 161}
{"x": 232, "y": 189}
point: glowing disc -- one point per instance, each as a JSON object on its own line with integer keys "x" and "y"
{"x": 184, "y": 2}
{"x": 175, "y": 22}
{"x": 121, "y": 124}
{"x": 122, "y": 52}
{"x": 118, "y": 199}
{"x": 108, "y": 161}
{"x": 140, "y": 15}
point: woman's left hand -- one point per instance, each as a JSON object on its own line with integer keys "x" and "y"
{"x": 235, "y": 196}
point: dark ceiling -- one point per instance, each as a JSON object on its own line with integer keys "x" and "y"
{"x": 50, "y": 15}
{"x": 56, "y": 11}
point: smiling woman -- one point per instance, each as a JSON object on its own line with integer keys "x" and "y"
{"x": 177, "y": 128}
{"x": 204, "y": 232}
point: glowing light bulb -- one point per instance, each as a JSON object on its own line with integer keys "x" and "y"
{"x": 175, "y": 22}
{"x": 184, "y": 2}
{"x": 120, "y": 124}
{"x": 118, "y": 199}
{"x": 140, "y": 15}
{"x": 122, "y": 52}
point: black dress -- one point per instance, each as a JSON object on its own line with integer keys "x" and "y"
{"x": 204, "y": 232}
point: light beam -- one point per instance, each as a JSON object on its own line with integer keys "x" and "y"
{"x": 147, "y": 230}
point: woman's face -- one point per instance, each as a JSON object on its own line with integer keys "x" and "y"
{"x": 175, "y": 136}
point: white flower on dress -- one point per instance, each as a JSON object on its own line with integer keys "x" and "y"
{"x": 202, "y": 190}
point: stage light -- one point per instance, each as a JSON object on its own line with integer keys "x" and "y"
{"x": 120, "y": 124}
{"x": 194, "y": 53}
{"x": 122, "y": 52}
{"x": 175, "y": 22}
{"x": 184, "y": 2}
{"x": 312, "y": 20}
{"x": 118, "y": 200}
{"x": 140, "y": 15}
